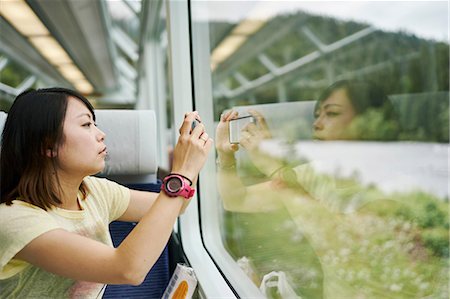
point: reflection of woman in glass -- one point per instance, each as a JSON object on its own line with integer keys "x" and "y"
{"x": 342, "y": 106}
{"x": 346, "y": 110}
{"x": 364, "y": 254}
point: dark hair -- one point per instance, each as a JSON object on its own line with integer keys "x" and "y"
{"x": 363, "y": 95}
{"x": 367, "y": 98}
{"x": 34, "y": 125}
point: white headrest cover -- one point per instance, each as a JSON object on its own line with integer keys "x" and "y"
{"x": 131, "y": 141}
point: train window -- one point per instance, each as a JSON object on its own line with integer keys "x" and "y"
{"x": 337, "y": 183}
{"x": 139, "y": 30}
{"x": 12, "y": 78}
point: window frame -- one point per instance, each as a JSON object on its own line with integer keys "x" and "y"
{"x": 210, "y": 205}
{"x": 209, "y": 277}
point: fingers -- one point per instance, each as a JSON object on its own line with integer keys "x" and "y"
{"x": 260, "y": 125}
{"x": 260, "y": 120}
{"x": 193, "y": 145}
{"x": 208, "y": 144}
{"x": 196, "y": 134}
{"x": 231, "y": 114}
{"x": 204, "y": 137}
{"x": 189, "y": 118}
{"x": 198, "y": 131}
{"x": 245, "y": 138}
{"x": 225, "y": 115}
{"x": 251, "y": 128}
{"x": 245, "y": 141}
{"x": 197, "y": 116}
{"x": 254, "y": 131}
{"x": 251, "y": 137}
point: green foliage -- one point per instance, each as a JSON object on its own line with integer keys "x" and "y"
{"x": 405, "y": 235}
{"x": 372, "y": 125}
{"x": 273, "y": 242}
{"x": 429, "y": 213}
{"x": 13, "y": 74}
{"x": 437, "y": 240}
{"x": 398, "y": 62}
{"x": 432, "y": 216}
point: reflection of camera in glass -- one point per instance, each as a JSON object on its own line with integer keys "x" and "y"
{"x": 235, "y": 127}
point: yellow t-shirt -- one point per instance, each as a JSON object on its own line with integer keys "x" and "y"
{"x": 21, "y": 222}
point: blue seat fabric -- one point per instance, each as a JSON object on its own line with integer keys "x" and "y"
{"x": 157, "y": 279}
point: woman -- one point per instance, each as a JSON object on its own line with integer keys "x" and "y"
{"x": 54, "y": 216}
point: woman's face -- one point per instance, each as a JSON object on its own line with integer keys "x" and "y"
{"x": 83, "y": 150}
{"x": 333, "y": 117}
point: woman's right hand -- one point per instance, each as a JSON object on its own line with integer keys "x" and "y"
{"x": 192, "y": 148}
{"x": 223, "y": 145}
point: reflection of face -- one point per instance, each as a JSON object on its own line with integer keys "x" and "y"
{"x": 83, "y": 151}
{"x": 333, "y": 117}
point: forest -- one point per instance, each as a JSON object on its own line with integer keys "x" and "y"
{"x": 412, "y": 71}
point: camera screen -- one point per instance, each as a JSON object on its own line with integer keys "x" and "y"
{"x": 237, "y": 125}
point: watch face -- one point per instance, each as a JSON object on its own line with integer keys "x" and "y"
{"x": 174, "y": 184}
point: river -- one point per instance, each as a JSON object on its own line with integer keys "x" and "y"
{"x": 391, "y": 166}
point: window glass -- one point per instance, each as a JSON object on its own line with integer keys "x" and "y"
{"x": 336, "y": 183}
{"x": 12, "y": 75}
{"x": 125, "y": 15}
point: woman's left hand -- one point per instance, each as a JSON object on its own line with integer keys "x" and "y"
{"x": 251, "y": 138}
{"x": 254, "y": 133}
{"x": 191, "y": 150}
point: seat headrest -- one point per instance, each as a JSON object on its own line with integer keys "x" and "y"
{"x": 131, "y": 141}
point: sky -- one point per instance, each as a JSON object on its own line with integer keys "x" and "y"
{"x": 426, "y": 19}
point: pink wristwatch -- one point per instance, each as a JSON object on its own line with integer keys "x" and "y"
{"x": 177, "y": 185}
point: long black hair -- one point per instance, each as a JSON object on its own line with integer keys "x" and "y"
{"x": 34, "y": 125}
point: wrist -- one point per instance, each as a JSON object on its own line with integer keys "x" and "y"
{"x": 276, "y": 172}
{"x": 226, "y": 165}
{"x": 226, "y": 154}
{"x": 185, "y": 174}
{"x": 287, "y": 175}
{"x": 226, "y": 157}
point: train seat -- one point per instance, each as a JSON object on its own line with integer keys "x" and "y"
{"x": 131, "y": 142}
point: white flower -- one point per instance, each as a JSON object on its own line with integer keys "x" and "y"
{"x": 406, "y": 226}
{"x": 344, "y": 252}
{"x": 396, "y": 274}
{"x": 395, "y": 287}
{"x": 388, "y": 245}
{"x": 408, "y": 273}
{"x": 350, "y": 275}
